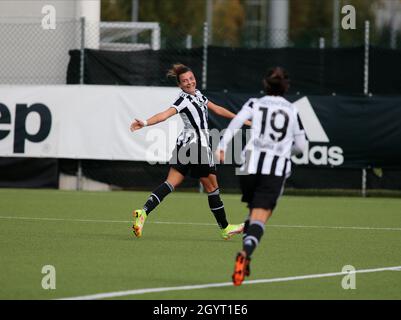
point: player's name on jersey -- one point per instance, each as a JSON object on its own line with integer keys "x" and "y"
{"x": 264, "y": 145}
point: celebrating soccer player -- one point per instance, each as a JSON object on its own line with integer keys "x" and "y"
{"x": 193, "y": 107}
{"x": 276, "y": 134}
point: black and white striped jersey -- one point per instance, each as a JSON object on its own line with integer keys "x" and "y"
{"x": 275, "y": 128}
{"x": 194, "y": 113}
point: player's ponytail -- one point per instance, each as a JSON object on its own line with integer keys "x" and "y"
{"x": 276, "y": 81}
{"x": 176, "y": 70}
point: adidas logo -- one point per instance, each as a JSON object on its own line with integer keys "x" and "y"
{"x": 320, "y": 153}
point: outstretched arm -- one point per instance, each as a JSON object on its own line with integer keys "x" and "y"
{"x": 159, "y": 117}
{"x": 223, "y": 112}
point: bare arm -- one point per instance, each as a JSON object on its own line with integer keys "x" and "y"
{"x": 159, "y": 117}
{"x": 232, "y": 129}
{"x": 223, "y": 112}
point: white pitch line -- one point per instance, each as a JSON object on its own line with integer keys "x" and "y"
{"x": 334, "y": 227}
{"x": 222, "y": 284}
{"x": 62, "y": 219}
{"x": 199, "y": 223}
{"x": 102, "y": 221}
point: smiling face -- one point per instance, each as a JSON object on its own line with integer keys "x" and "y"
{"x": 187, "y": 82}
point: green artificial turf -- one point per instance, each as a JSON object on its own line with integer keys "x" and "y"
{"x": 86, "y": 236}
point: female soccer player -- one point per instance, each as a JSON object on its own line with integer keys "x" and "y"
{"x": 193, "y": 107}
{"x": 276, "y": 133}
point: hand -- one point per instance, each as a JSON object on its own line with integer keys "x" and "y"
{"x": 136, "y": 125}
{"x": 248, "y": 123}
{"x": 220, "y": 155}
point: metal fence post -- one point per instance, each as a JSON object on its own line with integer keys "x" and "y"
{"x": 188, "y": 41}
{"x": 336, "y": 24}
{"x": 81, "y": 82}
{"x": 366, "y": 62}
{"x": 82, "y": 49}
{"x": 366, "y": 88}
{"x": 204, "y": 60}
{"x": 209, "y": 18}
{"x": 322, "y": 43}
{"x": 395, "y": 23}
{"x": 156, "y": 38}
{"x": 201, "y": 188}
{"x": 364, "y": 182}
{"x": 204, "y": 69}
{"x": 393, "y": 39}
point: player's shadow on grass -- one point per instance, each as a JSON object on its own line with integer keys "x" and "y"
{"x": 193, "y": 240}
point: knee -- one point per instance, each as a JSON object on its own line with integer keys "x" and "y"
{"x": 174, "y": 181}
{"x": 209, "y": 186}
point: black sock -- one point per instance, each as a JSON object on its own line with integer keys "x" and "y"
{"x": 157, "y": 196}
{"x": 254, "y": 234}
{"x": 217, "y": 207}
{"x": 246, "y": 226}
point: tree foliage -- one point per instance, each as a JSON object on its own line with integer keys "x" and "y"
{"x": 309, "y": 20}
{"x": 116, "y": 10}
{"x": 312, "y": 19}
{"x": 176, "y": 16}
{"x": 228, "y": 22}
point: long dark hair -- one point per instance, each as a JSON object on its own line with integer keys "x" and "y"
{"x": 276, "y": 81}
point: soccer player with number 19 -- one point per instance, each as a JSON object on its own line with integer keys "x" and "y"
{"x": 276, "y": 134}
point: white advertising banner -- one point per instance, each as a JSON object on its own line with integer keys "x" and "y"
{"x": 86, "y": 122}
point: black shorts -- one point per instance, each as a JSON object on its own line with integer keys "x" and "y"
{"x": 199, "y": 166}
{"x": 195, "y": 170}
{"x": 261, "y": 191}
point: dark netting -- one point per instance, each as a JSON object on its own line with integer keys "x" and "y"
{"x": 145, "y": 67}
{"x": 130, "y": 174}
{"x": 29, "y": 173}
{"x": 312, "y": 70}
{"x": 143, "y": 176}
